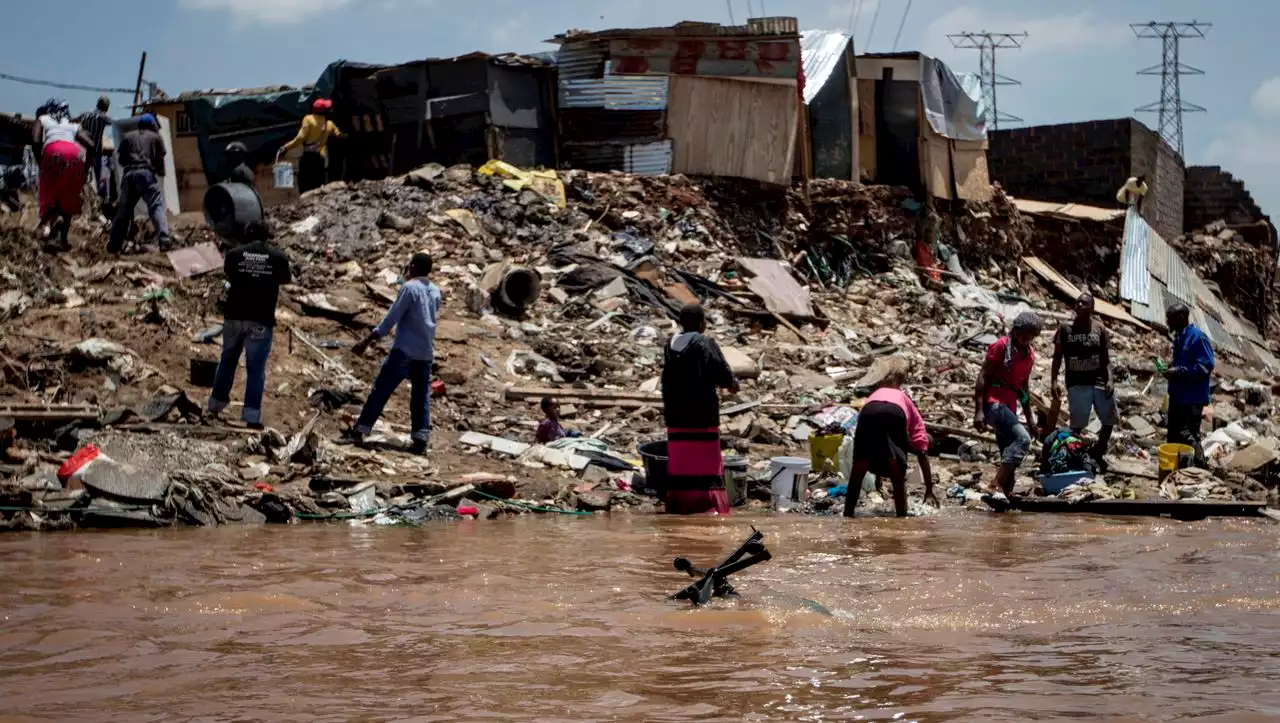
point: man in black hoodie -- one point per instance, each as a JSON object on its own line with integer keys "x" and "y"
{"x": 692, "y": 372}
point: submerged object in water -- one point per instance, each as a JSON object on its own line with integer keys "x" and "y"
{"x": 715, "y": 581}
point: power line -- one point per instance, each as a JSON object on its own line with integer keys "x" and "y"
{"x": 901, "y": 25}
{"x": 1171, "y": 69}
{"x": 855, "y": 14}
{"x": 874, "y": 17}
{"x": 64, "y": 86}
{"x": 987, "y": 44}
{"x": 729, "y": 4}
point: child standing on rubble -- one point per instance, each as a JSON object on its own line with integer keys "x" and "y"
{"x": 888, "y": 426}
{"x": 1003, "y": 385}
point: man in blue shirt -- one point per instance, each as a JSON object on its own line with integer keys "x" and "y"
{"x": 1188, "y": 376}
{"x": 413, "y": 316}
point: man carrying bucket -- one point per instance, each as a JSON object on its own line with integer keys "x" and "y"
{"x": 1188, "y": 376}
{"x": 693, "y": 369}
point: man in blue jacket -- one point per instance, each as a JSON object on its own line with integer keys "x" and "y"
{"x": 413, "y": 316}
{"x": 1188, "y": 376}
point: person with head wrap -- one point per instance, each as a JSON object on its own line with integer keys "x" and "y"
{"x": 314, "y": 137}
{"x": 1085, "y": 346}
{"x": 62, "y": 168}
{"x": 890, "y": 426}
{"x": 1003, "y": 385}
{"x": 413, "y": 316}
{"x": 693, "y": 371}
{"x": 1189, "y": 374}
{"x": 141, "y": 156}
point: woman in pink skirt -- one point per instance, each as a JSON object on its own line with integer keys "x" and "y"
{"x": 62, "y": 168}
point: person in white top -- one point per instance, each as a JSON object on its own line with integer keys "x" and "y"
{"x": 62, "y": 168}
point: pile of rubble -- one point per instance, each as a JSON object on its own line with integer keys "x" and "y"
{"x": 561, "y": 285}
{"x": 1241, "y": 262}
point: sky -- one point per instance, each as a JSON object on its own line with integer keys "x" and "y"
{"x": 1078, "y": 62}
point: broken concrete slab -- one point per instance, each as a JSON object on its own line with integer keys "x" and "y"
{"x": 594, "y": 500}
{"x": 774, "y": 284}
{"x": 125, "y": 482}
{"x": 613, "y": 289}
{"x": 1254, "y": 457}
{"x": 1140, "y": 427}
{"x": 742, "y": 366}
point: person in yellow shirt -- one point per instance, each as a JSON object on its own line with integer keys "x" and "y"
{"x": 314, "y": 137}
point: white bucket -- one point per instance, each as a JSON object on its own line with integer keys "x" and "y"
{"x": 283, "y": 173}
{"x": 790, "y": 477}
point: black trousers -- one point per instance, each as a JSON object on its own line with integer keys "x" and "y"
{"x": 1184, "y": 427}
{"x": 312, "y": 172}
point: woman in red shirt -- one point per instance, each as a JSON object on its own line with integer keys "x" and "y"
{"x": 1003, "y": 385}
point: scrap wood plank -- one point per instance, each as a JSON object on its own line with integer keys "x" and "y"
{"x": 1071, "y": 291}
{"x": 773, "y": 283}
{"x": 515, "y": 394}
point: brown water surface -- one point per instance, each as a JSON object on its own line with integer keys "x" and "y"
{"x": 960, "y": 617}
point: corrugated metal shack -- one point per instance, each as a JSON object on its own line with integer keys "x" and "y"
{"x": 467, "y": 109}
{"x": 15, "y": 134}
{"x": 698, "y": 98}
{"x": 831, "y": 104}
{"x": 922, "y": 126}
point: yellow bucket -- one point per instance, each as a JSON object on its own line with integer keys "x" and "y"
{"x": 824, "y": 448}
{"x": 1169, "y": 457}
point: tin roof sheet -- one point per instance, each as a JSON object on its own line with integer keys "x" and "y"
{"x": 1135, "y": 278}
{"x": 648, "y": 159}
{"x": 1265, "y": 355}
{"x": 1153, "y": 311}
{"x": 821, "y": 52}
{"x": 616, "y": 92}
{"x": 1221, "y": 339}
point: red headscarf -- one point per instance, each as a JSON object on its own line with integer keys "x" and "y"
{"x": 322, "y": 105}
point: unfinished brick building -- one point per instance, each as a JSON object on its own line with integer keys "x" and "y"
{"x": 1087, "y": 163}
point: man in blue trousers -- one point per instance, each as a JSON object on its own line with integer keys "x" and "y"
{"x": 255, "y": 273}
{"x": 413, "y": 315}
{"x": 1189, "y": 384}
{"x": 141, "y": 156}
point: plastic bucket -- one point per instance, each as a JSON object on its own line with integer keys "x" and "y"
{"x": 282, "y": 174}
{"x": 735, "y": 479}
{"x": 1169, "y": 454}
{"x": 789, "y": 480}
{"x": 824, "y": 450}
{"x": 654, "y": 456}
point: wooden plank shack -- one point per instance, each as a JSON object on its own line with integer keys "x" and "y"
{"x": 740, "y": 128}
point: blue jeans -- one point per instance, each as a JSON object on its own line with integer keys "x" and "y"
{"x": 254, "y": 340}
{"x": 1011, "y": 436}
{"x": 139, "y": 184}
{"x": 1082, "y": 401}
{"x": 398, "y": 367}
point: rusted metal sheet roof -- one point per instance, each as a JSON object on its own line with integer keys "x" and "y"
{"x": 649, "y": 159}
{"x": 1075, "y": 211}
{"x": 755, "y": 27}
{"x": 727, "y": 57}
{"x": 821, "y": 53}
{"x": 1221, "y": 339}
{"x": 1135, "y": 279}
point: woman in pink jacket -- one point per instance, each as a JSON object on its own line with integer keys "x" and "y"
{"x": 888, "y": 426}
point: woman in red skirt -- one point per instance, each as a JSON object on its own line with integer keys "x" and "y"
{"x": 62, "y": 168}
{"x": 692, "y": 372}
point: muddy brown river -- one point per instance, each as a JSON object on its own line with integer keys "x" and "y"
{"x": 963, "y": 617}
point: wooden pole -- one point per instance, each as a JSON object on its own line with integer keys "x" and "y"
{"x": 137, "y": 89}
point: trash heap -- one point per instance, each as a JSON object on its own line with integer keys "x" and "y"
{"x": 556, "y": 285}
{"x": 1241, "y": 261}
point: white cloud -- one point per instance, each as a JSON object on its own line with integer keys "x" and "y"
{"x": 1266, "y": 99}
{"x": 1063, "y": 32}
{"x": 271, "y": 12}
